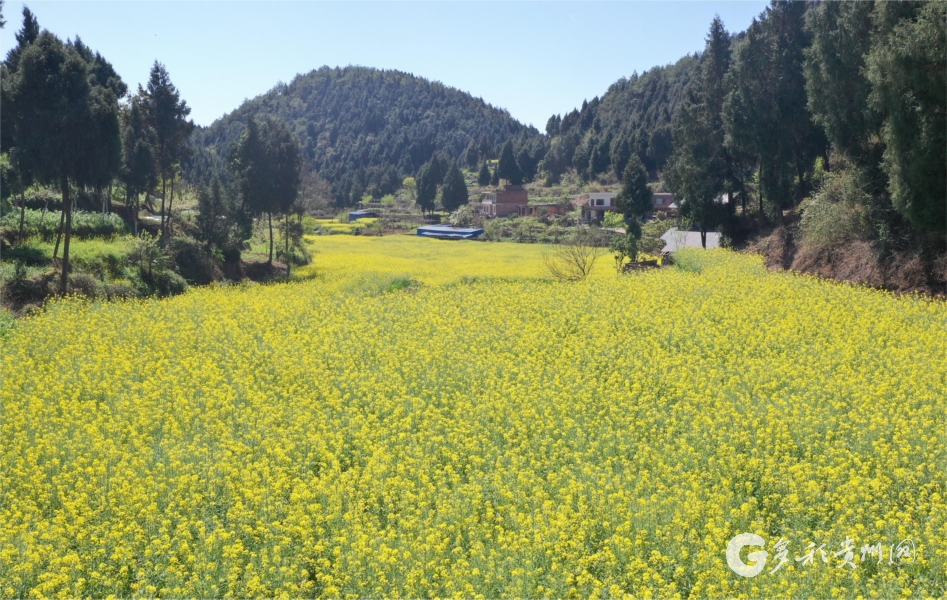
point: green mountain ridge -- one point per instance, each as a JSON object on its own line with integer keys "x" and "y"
{"x": 363, "y": 128}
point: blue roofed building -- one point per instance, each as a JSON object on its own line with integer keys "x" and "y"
{"x": 355, "y": 215}
{"x": 447, "y": 232}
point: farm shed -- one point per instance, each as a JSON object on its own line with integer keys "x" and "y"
{"x": 675, "y": 239}
{"x": 446, "y": 232}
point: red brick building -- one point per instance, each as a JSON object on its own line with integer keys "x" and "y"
{"x": 502, "y": 203}
{"x": 664, "y": 202}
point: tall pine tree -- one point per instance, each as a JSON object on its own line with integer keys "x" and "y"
{"x": 168, "y": 114}
{"x": 454, "y": 193}
{"x": 483, "y": 178}
{"x": 765, "y": 112}
{"x": 507, "y": 167}
{"x": 59, "y": 118}
{"x": 700, "y": 165}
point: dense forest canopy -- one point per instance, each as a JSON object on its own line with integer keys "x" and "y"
{"x": 366, "y": 128}
{"x": 634, "y": 116}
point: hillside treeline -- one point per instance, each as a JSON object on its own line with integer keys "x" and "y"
{"x": 834, "y": 111}
{"x": 634, "y": 116}
{"x": 70, "y": 124}
{"x": 364, "y": 130}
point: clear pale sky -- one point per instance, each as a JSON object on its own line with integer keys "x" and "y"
{"x": 531, "y": 58}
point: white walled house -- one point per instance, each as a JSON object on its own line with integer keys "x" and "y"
{"x": 594, "y": 205}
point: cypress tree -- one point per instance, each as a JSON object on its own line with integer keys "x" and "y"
{"x": 427, "y": 188}
{"x": 26, "y": 36}
{"x": 139, "y": 168}
{"x": 906, "y": 68}
{"x": 168, "y": 114}
{"x": 60, "y": 118}
{"x": 699, "y": 166}
{"x": 483, "y": 178}
{"x": 635, "y": 198}
{"x": 454, "y": 194}
{"x": 507, "y": 167}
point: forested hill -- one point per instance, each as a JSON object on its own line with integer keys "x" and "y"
{"x": 634, "y": 115}
{"x": 365, "y": 128}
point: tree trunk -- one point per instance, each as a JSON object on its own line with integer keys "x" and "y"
{"x": 163, "y": 193}
{"x": 42, "y": 215}
{"x": 759, "y": 190}
{"x": 64, "y": 281}
{"x": 167, "y": 229}
{"x": 108, "y": 198}
{"x": 703, "y": 236}
{"x": 62, "y": 220}
{"x": 135, "y": 211}
{"x": 270, "y": 218}
{"x": 288, "y": 261}
{"x": 19, "y": 235}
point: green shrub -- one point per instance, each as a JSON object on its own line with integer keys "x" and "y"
{"x": 85, "y": 224}
{"x": 166, "y": 283}
{"x": 651, "y": 232}
{"x": 839, "y": 212}
{"x": 7, "y": 322}
{"x": 192, "y": 261}
{"x": 86, "y": 285}
{"x": 613, "y": 220}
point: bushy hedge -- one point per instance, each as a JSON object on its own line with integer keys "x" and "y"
{"x": 85, "y": 224}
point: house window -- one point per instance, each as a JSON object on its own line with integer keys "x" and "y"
{"x": 600, "y": 202}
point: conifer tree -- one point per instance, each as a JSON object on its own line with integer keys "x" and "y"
{"x": 139, "y": 170}
{"x": 60, "y": 118}
{"x": 454, "y": 193}
{"x": 483, "y": 178}
{"x": 26, "y": 36}
{"x": 168, "y": 114}
{"x": 700, "y": 163}
{"x": 906, "y": 67}
{"x": 427, "y": 187}
{"x": 507, "y": 167}
{"x": 765, "y": 112}
{"x": 635, "y": 198}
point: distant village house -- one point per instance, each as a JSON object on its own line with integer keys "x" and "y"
{"x": 505, "y": 202}
{"x": 594, "y": 205}
{"x": 664, "y": 202}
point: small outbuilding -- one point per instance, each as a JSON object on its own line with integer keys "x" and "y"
{"x": 674, "y": 239}
{"x": 447, "y": 232}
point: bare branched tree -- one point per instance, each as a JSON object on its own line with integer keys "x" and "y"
{"x": 574, "y": 259}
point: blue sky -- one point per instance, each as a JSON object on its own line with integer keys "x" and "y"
{"x": 531, "y": 58}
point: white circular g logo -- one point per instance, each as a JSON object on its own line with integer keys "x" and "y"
{"x": 733, "y": 554}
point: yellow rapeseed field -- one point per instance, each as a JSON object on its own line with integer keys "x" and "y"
{"x": 428, "y": 260}
{"x": 486, "y": 433}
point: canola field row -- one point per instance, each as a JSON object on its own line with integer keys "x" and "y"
{"x": 485, "y": 432}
